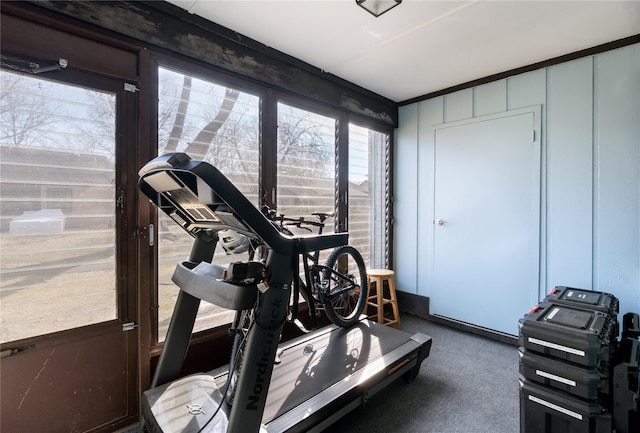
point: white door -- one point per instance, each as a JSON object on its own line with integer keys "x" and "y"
{"x": 486, "y": 222}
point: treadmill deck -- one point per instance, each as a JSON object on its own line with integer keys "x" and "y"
{"x": 320, "y": 377}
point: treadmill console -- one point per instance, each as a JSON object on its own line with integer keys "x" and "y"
{"x": 198, "y": 197}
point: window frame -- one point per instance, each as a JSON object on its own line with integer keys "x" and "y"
{"x": 269, "y": 98}
{"x": 219, "y": 77}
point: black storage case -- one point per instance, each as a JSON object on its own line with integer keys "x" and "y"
{"x": 544, "y": 410}
{"x": 589, "y": 383}
{"x": 626, "y": 384}
{"x": 572, "y": 296}
{"x": 581, "y": 336}
{"x": 630, "y": 326}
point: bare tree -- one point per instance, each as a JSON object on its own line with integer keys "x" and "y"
{"x": 221, "y": 140}
{"x": 300, "y": 138}
{"x": 203, "y": 145}
{"x": 200, "y": 145}
{"x": 181, "y": 115}
{"x": 98, "y": 133}
{"x": 24, "y": 114}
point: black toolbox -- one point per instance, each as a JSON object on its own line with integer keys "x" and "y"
{"x": 572, "y": 296}
{"x": 544, "y": 410}
{"x": 630, "y": 326}
{"x": 589, "y": 383}
{"x": 581, "y": 336}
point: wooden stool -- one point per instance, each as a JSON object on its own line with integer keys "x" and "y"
{"x": 378, "y": 300}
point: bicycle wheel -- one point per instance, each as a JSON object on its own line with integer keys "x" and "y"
{"x": 237, "y": 354}
{"x": 345, "y": 279}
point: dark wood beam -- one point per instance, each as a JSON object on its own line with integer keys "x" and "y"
{"x": 163, "y": 25}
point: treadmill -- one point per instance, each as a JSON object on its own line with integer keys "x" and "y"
{"x": 302, "y": 385}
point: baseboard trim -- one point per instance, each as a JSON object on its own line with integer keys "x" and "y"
{"x": 419, "y": 306}
{"x": 475, "y": 329}
{"x": 413, "y": 304}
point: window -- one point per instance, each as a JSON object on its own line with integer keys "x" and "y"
{"x": 57, "y": 234}
{"x": 305, "y": 163}
{"x": 306, "y": 167}
{"x": 220, "y": 125}
{"x": 369, "y": 194}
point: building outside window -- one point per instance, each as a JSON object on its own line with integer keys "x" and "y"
{"x": 57, "y": 197}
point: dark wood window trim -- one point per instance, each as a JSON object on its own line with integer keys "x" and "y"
{"x": 163, "y": 26}
{"x": 342, "y": 173}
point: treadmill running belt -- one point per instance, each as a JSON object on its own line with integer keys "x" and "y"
{"x": 315, "y": 364}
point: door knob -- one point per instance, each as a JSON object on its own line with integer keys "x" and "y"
{"x": 440, "y": 222}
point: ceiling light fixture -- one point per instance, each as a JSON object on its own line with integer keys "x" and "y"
{"x": 378, "y": 7}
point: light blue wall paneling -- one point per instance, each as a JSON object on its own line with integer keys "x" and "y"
{"x": 617, "y": 176}
{"x": 590, "y": 172}
{"x": 528, "y": 89}
{"x": 569, "y": 174}
{"x": 405, "y": 199}
{"x": 458, "y": 105}
{"x": 431, "y": 113}
{"x": 490, "y": 98}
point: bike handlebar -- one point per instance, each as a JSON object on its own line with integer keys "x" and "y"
{"x": 272, "y": 215}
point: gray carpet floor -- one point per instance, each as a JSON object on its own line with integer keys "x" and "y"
{"x": 468, "y": 384}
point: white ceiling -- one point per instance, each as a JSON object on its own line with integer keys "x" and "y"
{"x": 423, "y": 46}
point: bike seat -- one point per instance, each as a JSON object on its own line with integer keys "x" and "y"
{"x": 322, "y": 216}
{"x": 322, "y": 242}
